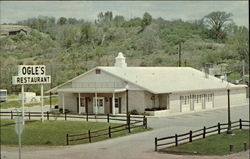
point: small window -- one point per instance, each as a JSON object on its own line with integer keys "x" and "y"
{"x": 98, "y": 71}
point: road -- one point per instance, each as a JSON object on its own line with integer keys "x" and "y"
{"x": 137, "y": 146}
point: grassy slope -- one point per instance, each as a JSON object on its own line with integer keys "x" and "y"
{"x": 216, "y": 144}
{"x": 52, "y": 132}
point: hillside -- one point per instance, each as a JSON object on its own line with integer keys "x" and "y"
{"x": 81, "y": 45}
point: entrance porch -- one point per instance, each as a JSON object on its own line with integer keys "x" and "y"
{"x": 101, "y": 102}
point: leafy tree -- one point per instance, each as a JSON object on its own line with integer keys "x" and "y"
{"x": 85, "y": 33}
{"x": 72, "y": 21}
{"x": 119, "y": 20}
{"x": 146, "y": 20}
{"x": 216, "y": 22}
{"x": 62, "y": 21}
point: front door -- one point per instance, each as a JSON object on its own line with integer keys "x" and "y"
{"x": 117, "y": 105}
{"x": 82, "y": 107}
{"x": 100, "y": 105}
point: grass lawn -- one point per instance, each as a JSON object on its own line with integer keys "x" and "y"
{"x": 18, "y": 104}
{"x": 53, "y": 132}
{"x": 216, "y": 144}
{"x": 12, "y": 96}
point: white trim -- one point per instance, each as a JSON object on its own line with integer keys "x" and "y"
{"x": 79, "y": 102}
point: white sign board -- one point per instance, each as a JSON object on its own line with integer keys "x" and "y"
{"x": 19, "y": 125}
{"x": 31, "y": 79}
{"x": 31, "y": 70}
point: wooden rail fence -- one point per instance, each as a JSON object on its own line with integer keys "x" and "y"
{"x": 106, "y": 132}
{"x": 48, "y": 115}
{"x": 176, "y": 139}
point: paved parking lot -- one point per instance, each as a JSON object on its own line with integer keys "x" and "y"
{"x": 137, "y": 146}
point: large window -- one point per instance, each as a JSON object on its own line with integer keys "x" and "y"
{"x": 185, "y": 99}
{"x": 210, "y": 97}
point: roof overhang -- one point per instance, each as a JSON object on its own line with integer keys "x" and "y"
{"x": 90, "y": 90}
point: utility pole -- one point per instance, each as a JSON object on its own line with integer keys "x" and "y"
{"x": 179, "y": 52}
{"x": 243, "y": 71}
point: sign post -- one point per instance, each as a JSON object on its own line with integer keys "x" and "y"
{"x": 31, "y": 74}
{"x": 23, "y": 102}
{"x": 19, "y": 129}
{"x": 42, "y": 102}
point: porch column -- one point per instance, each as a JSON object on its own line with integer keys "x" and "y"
{"x": 63, "y": 103}
{"x": 96, "y": 112}
{"x": 79, "y": 102}
{"x": 113, "y": 103}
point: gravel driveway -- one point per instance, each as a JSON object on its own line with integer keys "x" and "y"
{"x": 136, "y": 146}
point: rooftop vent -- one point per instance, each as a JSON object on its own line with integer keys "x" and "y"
{"x": 120, "y": 61}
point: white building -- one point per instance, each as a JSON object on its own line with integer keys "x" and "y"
{"x": 171, "y": 90}
{"x": 30, "y": 97}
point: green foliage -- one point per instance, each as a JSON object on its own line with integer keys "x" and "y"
{"x": 216, "y": 22}
{"x": 62, "y": 21}
{"x": 78, "y": 45}
{"x": 146, "y": 20}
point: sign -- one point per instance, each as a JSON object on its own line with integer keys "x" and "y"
{"x": 31, "y": 74}
{"x": 31, "y": 70}
{"x": 19, "y": 125}
{"x": 31, "y": 79}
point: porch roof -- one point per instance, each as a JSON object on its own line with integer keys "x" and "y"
{"x": 91, "y": 90}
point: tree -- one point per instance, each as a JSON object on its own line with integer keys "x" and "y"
{"x": 85, "y": 32}
{"x": 62, "y": 21}
{"x": 147, "y": 20}
{"x": 216, "y": 22}
{"x": 119, "y": 20}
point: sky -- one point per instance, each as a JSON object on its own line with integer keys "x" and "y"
{"x": 12, "y": 11}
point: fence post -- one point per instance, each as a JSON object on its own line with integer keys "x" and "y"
{"x": 108, "y": 118}
{"x": 109, "y": 132}
{"x": 190, "y": 136}
{"x": 47, "y": 115}
{"x": 218, "y": 128}
{"x": 67, "y": 139}
{"x": 176, "y": 140}
{"x": 11, "y": 115}
{"x": 231, "y": 148}
{"x": 129, "y": 123}
{"x": 204, "y": 132}
{"x": 245, "y": 146}
{"x": 155, "y": 143}
{"x": 87, "y": 118}
{"x": 29, "y": 115}
{"x": 89, "y": 136}
{"x": 240, "y": 124}
{"x": 143, "y": 120}
{"x": 65, "y": 116}
{"x": 146, "y": 123}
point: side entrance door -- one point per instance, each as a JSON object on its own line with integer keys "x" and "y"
{"x": 117, "y": 105}
{"x": 82, "y": 108}
{"x": 100, "y": 105}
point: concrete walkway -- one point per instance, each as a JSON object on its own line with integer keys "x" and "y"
{"x": 137, "y": 146}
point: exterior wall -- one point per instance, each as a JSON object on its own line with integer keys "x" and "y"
{"x": 237, "y": 97}
{"x": 174, "y": 104}
{"x": 70, "y": 102}
{"x": 137, "y": 101}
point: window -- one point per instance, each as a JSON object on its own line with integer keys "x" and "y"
{"x": 98, "y": 71}
{"x": 82, "y": 104}
{"x": 199, "y": 98}
{"x": 210, "y": 97}
{"x": 116, "y": 102}
{"x": 185, "y": 99}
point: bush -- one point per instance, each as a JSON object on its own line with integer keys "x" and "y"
{"x": 155, "y": 109}
{"x": 134, "y": 112}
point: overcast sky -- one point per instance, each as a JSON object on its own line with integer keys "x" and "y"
{"x": 12, "y": 12}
